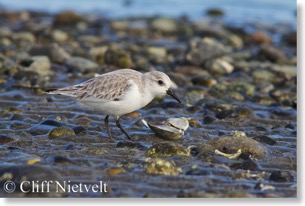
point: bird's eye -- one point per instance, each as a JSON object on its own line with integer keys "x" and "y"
{"x": 160, "y": 82}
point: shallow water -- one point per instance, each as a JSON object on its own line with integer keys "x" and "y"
{"x": 235, "y": 11}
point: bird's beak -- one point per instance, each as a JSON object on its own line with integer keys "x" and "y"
{"x": 169, "y": 92}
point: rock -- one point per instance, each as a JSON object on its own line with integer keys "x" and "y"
{"x": 239, "y": 194}
{"x": 81, "y": 64}
{"x": 5, "y": 31}
{"x": 40, "y": 129}
{"x": 231, "y": 144}
{"x": 58, "y": 54}
{"x": 67, "y": 17}
{"x": 16, "y": 117}
{"x": 51, "y": 122}
{"x": 281, "y": 176}
{"x": 245, "y": 165}
{"x": 287, "y": 71}
{"x": 24, "y": 36}
{"x": 5, "y": 139}
{"x": 118, "y": 58}
{"x": 261, "y": 38}
{"x": 31, "y": 173}
{"x": 167, "y": 149}
{"x": 157, "y": 51}
{"x": 215, "y": 12}
{"x": 60, "y": 132}
{"x": 79, "y": 130}
{"x": 157, "y": 166}
{"x": 59, "y": 35}
{"x": 115, "y": 171}
{"x": 272, "y": 54}
{"x": 260, "y": 76}
{"x": 98, "y": 53}
{"x": 219, "y": 66}
{"x": 243, "y": 88}
{"x": 204, "y": 50}
{"x": 198, "y": 172}
{"x": 194, "y": 123}
{"x": 95, "y": 151}
{"x": 119, "y": 25}
{"x": 208, "y": 119}
{"x": 18, "y": 125}
{"x": 265, "y": 139}
{"x": 204, "y": 81}
{"x": 60, "y": 160}
{"x": 164, "y": 25}
{"x": 235, "y": 41}
{"x": 290, "y": 38}
{"x": 40, "y": 65}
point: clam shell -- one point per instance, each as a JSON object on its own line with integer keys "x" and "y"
{"x": 171, "y": 129}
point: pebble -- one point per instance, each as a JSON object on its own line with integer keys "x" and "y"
{"x": 67, "y": 17}
{"x": 164, "y": 25}
{"x": 281, "y": 176}
{"x": 265, "y": 139}
{"x": 115, "y": 171}
{"x": 157, "y": 166}
{"x": 24, "y": 36}
{"x": 81, "y": 64}
{"x": 261, "y": 38}
{"x": 60, "y": 132}
{"x": 59, "y": 35}
{"x": 5, "y": 139}
{"x": 245, "y": 165}
{"x": 198, "y": 172}
{"x": 204, "y": 50}
{"x": 166, "y": 149}
{"x": 231, "y": 144}
{"x": 272, "y": 54}
{"x": 41, "y": 65}
{"x": 60, "y": 160}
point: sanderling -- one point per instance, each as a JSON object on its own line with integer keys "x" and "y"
{"x": 119, "y": 92}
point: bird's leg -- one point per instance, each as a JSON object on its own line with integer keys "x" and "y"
{"x": 107, "y": 126}
{"x": 121, "y": 128}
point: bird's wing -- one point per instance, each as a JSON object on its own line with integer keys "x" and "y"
{"x": 103, "y": 87}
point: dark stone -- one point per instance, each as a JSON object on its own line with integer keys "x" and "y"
{"x": 40, "y": 129}
{"x": 60, "y": 160}
{"x": 209, "y": 119}
{"x": 30, "y": 173}
{"x": 245, "y": 165}
{"x": 5, "y": 139}
{"x": 51, "y": 123}
{"x": 225, "y": 114}
{"x": 281, "y": 176}
{"x": 79, "y": 129}
{"x": 13, "y": 148}
{"x": 195, "y": 151}
{"x": 17, "y": 117}
{"x": 265, "y": 139}
{"x": 198, "y": 172}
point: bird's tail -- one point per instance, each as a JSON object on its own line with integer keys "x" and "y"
{"x": 66, "y": 91}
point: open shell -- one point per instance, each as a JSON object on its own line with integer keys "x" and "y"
{"x": 171, "y": 129}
